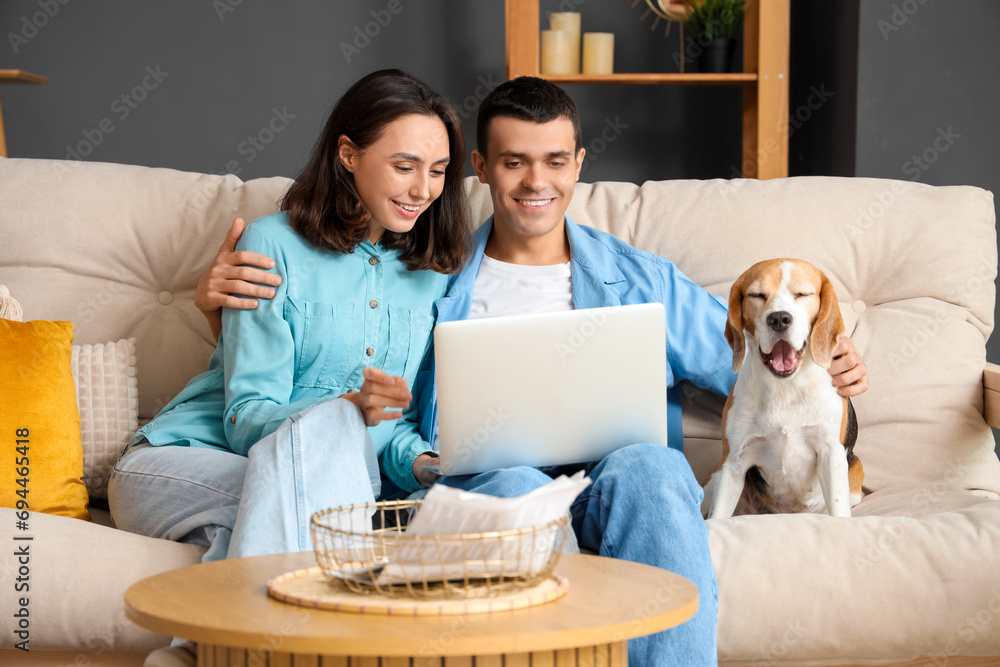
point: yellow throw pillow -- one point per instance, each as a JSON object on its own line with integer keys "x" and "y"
{"x": 41, "y": 467}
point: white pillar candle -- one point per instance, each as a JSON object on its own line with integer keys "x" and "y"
{"x": 598, "y": 53}
{"x": 570, "y": 22}
{"x": 557, "y": 46}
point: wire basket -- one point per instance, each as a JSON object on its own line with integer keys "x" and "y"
{"x": 366, "y": 549}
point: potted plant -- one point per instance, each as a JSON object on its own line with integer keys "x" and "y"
{"x": 714, "y": 25}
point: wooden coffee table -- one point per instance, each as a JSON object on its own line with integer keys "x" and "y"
{"x": 224, "y": 607}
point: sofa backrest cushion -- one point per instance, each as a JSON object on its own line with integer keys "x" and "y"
{"x": 914, "y": 269}
{"x": 118, "y": 250}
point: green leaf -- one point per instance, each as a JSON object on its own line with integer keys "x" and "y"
{"x": 717, "y": 19}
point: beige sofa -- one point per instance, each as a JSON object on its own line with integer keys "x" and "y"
{"x": 915, "y": 573}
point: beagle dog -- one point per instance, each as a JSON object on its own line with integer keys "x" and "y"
{"x": 788, "y": 437}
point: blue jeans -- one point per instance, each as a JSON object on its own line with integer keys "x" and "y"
{"x": 644, "y": 506}
{"x": 246, "y": 506}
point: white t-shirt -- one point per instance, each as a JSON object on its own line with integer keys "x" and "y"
{"x": 518, "y": 289}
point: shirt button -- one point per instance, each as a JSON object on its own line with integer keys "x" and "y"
{"x": 373, "y": 260}
{"x": 370, "y": 351}
{"x": 373, "y": 304}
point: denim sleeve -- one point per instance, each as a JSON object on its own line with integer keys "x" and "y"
{"x": 406, "y": 444}
{"x": 696, "y": 344}
{"x": 259, "y": 356}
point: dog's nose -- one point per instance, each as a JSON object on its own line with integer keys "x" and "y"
{"x": 779, "y": 321}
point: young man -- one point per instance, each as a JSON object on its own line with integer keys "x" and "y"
{"x": 644, "y": 503}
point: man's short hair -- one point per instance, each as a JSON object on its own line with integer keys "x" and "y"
{"x": 527, "y": 98}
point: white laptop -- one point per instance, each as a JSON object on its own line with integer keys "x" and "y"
{"x": 549, "y": 389}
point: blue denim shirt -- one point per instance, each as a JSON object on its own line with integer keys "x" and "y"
{"x": 332, "y": 315}
{"x": 606, "y": 271}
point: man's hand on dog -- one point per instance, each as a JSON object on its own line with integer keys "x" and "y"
{"x": 850, "y": 375}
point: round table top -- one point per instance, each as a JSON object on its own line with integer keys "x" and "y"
{"x": 226, "y": 603}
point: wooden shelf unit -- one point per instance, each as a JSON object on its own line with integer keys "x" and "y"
{"x": 15, "y": 76}
{"x": 766, "y": 28}
{"x": 688, "y": 79}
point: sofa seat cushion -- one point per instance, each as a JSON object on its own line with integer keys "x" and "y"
{"x": 922, "y": 582}
{"x": 78, "y": 574}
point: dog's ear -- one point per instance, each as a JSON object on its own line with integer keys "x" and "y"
{"x": 828, "y": 328}
{"x": 734, "y": 324}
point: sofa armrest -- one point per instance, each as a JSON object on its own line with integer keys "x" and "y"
{"x": 991, "y": 395}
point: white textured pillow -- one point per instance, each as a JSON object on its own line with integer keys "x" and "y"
{"x": 107, "y": 393}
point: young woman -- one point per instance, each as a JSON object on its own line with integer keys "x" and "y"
{"x": 291, "y": 416}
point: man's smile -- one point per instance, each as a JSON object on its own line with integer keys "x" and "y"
{"x": 535, "y": 203}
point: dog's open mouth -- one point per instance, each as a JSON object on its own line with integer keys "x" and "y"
{"x": 783, "y": 360}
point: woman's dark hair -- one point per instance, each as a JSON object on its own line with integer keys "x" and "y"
{"x": 526, "y": 98}
{"x": 323, "y": 203}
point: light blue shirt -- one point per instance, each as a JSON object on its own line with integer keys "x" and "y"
{"x": 607, "y": 271}
{"x": 332, "y": 315}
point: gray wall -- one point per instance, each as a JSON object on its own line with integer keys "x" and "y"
{"x": 929, "y": 90}
{"x": 915, "y": 82}
{"x": 227, "y": 65}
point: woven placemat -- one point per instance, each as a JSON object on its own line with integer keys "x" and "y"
{"x": 310, "y": 588}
